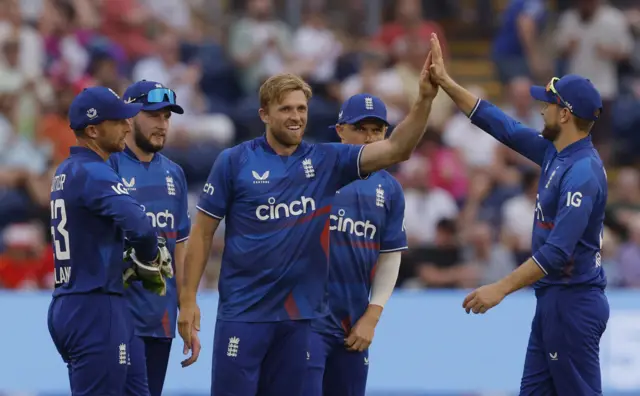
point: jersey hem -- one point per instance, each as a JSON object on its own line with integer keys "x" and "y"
{"x": 359, "y": 171}
{"x": 182, "y": 239}
{"x": 209, "y": 213}
{"x": 475, "y": 108}
{"x": 394, "y": 249}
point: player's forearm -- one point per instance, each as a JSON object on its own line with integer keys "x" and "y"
{"x": 195, "y": 263}
{"x": 179, "y": 257}
{"x": 401, "y": 143}
{"x": 197, "y": 255}
{"x": 525, "y": 275}
{"x": 409, "y": 132}
{"x": 465, "y": 100}
{"x": 384, "y": 280}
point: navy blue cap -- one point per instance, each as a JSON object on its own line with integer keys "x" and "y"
{"x": 153, "y": 96}
{"x": 360, "y": 107}
{"x": 97, "y": 104}
{"x": 579, "y": 94}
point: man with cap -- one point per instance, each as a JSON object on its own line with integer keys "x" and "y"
{"x": 91, "y": 211}
{"x": 367, "y": 238}
{"x": 159, "y": 185}
{"x": 565, "y": 268}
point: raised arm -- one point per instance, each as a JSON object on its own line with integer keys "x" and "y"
{"x": 407, "y": 134}
{"x": 526, "y": 141}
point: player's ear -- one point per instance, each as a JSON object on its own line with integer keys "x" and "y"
{"x": 263, "y": 115}
{"x": 91, "y": 131}
{"x": 340, "y": 130}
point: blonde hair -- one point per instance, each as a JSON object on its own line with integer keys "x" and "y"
{"x": 279, "y": 85}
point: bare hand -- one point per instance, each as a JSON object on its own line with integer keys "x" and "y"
{"x": 188, "y": 321}
{"x": 483, "y": 298}
{"x": 195, "y": 349}
{"x": 361, "y": 334}
{"x": 437, "y": 71}
{"x": 428, "y": 89}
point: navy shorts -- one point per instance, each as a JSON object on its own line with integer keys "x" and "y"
{"x": 564, "y": 346}
{"x": 93, "y": 334}
{"x": 265, "y": 359}
{"x": 334, "y": 370}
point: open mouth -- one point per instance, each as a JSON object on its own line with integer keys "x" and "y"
{"x": 294, "y": 128}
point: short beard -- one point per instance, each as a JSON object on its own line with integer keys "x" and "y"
{"x": 143, "y": 142}
{"x": 551, "y": 133}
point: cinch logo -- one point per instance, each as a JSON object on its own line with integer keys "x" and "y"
{"x": 351, "y": 226}
{"x": 274, "y": 211}
{"x": 161, "y": 219}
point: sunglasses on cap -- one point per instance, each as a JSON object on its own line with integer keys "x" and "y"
{"x": 157, "y": 95}
{"x": 551, "y": 88}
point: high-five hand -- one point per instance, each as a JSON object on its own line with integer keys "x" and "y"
{"x": 437, "y": 71}
{"x": 428, "y": 88}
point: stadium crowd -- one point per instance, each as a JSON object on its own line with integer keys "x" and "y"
{"x": 469, "y": 201}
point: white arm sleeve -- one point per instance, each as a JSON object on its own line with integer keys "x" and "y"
{"x": 385, "y": 278}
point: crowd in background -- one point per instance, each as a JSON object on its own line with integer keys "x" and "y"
{"x": 469, "y": 200}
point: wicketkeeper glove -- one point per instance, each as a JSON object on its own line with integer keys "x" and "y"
{"x": 153, "y": 275}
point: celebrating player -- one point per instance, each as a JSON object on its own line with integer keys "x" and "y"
{"x": 367, "y": 237}
{"x": 275, "y": 193}
{"x": 160, "y": 186}
{"x": 572, "y": 309}
{"x": 89, "y": 320}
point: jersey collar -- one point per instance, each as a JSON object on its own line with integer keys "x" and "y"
{"x": 575, "y": 146}
{"x": 79, "y": 150}
{"x": 133, "y": 155}
{"x": 262, "y": 141}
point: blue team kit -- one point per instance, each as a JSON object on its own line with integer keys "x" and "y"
{"x": 161, "y": 188}
{"x": 367, "y": 218}
{"x": 572, "y": 309}
{"x": 88, "y": 319}
{"x": 266, "y": 201}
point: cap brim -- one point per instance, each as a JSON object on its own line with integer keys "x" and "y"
{"x": 540, "y": 93}
{"x": 366, "y": 117}
{"x": 174, "y": 108}
{"x": 127, "y": 110}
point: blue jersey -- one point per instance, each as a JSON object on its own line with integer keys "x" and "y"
{"x": 507, "y": 42}
{"x": 276, "y": 210}
{"x": 161, "y": 189}
{"x": 367, "y": 219}
{"x": 572, "y": 194}
{"x": 90, "y": 212}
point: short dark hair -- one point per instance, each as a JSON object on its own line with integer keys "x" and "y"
{"x": 582, "y": 124}
{"x": 79, "y": 132}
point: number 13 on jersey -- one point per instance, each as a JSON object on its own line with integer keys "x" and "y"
{"x": 59, "y": 232}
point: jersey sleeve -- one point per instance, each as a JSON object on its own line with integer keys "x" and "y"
{"x": 579, "y": 189}
{"x": 394, "y": 237}
{"x": 347, "y": 162}
{"x": 184, "y": 223}
{"x": 526, "y": 141}
{"x": 104, "y": 194}
{"x": 216, "y": 195}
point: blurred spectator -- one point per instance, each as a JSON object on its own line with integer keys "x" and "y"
{"x": 125, "y": 22}
{"x": 384, "y": 83}
{"x": 516, "y": 49}
{"x": 441, "y": 264}
{"x": 27, "y": 261}
{"x": 408, "y": 18}
{"x": 629, "y": 255}
{"x": 427, "y": 205}
{"x": 517, "y": 216}
{"x": 476, "y": 147}
{"x": 594, "y": 38}
{"x": 487, "y": 261}
{"x": 259, "y": 44}
{"x": 520, "y": 104}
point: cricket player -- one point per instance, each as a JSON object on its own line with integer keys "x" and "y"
{"x": 572, "y": 310}
{"x": 367, "y": 238}
{"x": 91, "y": 211}
{"x": 275, "y": 193}
{"x": 160, "y": 186}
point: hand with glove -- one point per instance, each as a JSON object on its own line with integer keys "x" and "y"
{"x": 153, "y": 275}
